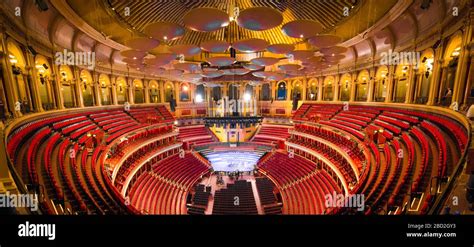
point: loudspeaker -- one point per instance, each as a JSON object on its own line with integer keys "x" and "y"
{"x": 232, "y": 52}
{"x": 32, "y": 50}
{"x": 436, "y": 44}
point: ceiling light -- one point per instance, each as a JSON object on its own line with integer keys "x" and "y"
{"x": 301, "y": 36}
{"x": 165, "y": 37}
{"x": 185, "y": 88}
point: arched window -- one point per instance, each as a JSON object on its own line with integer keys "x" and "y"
{"x": 233, "y": 91}
{"x": 18, "y": 63}
{"x": 139, "y": 91}
{"x": 216, "y": 93}
{"x": 297, "y": 90}
{"x": 184, "y": 92}
{"x": 281, "y": 91}
{"x": 122, "y": 90}
{"x": 169, "y": 91}
{"x": 87, "y": 88}
{"x": 154, "y": 91}
{"x": 200, "y": 94}
{"x": 400, "y": 84}
{"x": 328, "y": 88}
{"x": 105, "y": 90}
{"x": 449, "y": 68}
{"x": 249, "y": 91}
{"x": 362, "y": 86}
{"x": 345, "y": 88}
{"x": 67, "y": 86}
{"x": 380, "y": 90}
{"x": 46, "y": 91}
{"x": 312, "y": 92}
{"x": 265, "y": 95}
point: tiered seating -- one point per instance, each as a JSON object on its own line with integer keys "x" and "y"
{"x": 267, "y": 197}
{"x": 163, "y": 190}
{"x": 196, "y": 135}
{"x": 301, "y": 184}
{"x": 225, "y": 200}
{"x": 271, "y": 134}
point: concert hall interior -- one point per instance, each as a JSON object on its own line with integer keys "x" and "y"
{"x": 237, "y": 107}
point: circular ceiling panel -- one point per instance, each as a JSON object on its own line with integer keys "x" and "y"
{"x": 191, "y": 76}
{"x": 187, "y": 66}
{"x": 186, "y": 50}
{"x": 302, "y": 28}
{"x": 142, "y": 44}
{"x": 221, "y": 61}
{"x": 206, "y": 19}
{"x": 164, "y": 31}
{"x": 216, "y": 46}
{"x": 313, "y": 59}
{"x": 333, "y": 50}
{"x": 133, "y": 54}
{"x": 253, "y": 66}
{"x": 212, "y": 74}
{"x": 259, "y": 18}
{"x": 161, "y": 59}
{"x": 281, "y": 48}
{"x": 235, "y": 71}
{"x": 250, "y": 45}
{"x": 265, "y": 61}
{"x": 324, "y": 40}
{"x": 289, "y": 67}
{"x": 301, "y": 54}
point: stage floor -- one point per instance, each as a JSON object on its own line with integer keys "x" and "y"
{"x": 229, "y": 161}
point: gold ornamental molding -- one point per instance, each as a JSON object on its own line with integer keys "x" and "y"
{"x": 68, "y": 13}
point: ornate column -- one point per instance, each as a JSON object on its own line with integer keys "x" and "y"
{"x": 113, "y": 81}
{"x": 146, "y": 87}
{"x": 131, "y": 87}
{"x": 470, "y": 79}
{"x": 411, "y": 84}
{"x": 176, "y": 92}
{"x": 162, "y": 91}
{"x": 273, "y": 90}
{"x": 56, "y": 84}
{"x": 77, "y": 87}
{"x": 335, "y": 95}
{"x": 391, "y": 74}
{"x": 353, "y": 87}
{"x": 436, "y": 77}
{"x": 33, "y": 80}
{"x": 371, "y": 85}
{"x": 96, "y": 89}
{"x": 320, "y": 88}
{"x": 461, "y": 72}
{"x": 9, "y": 80}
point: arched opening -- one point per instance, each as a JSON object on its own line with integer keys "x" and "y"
{"x": 248, "y": 93}
{"x": 122, "y": 89}
{"x": 281, "y": 91}
{"x": 362, "y": 86}
{"x": 87, "y": 88}
{"x": 400, "y": 83}
{"x": 380, "y": 90}
{"x": 234, "y": 91}
{"x": 138, "y": 92}
{"x": 345, "y": 87}
{"x": 67, "y": 86}
{"x": 312, "y": 92}
{"x": 184, "y": 92}
{"x": 154, "y": 91}
{"x": 45, "y": 86}
{"x": 105, "y": 90}
{"x": 449, "y": 68}
{"x": 424, "y": 77}
{"x": 297, "y": 90}
{"x": 200, "y": 95}
{"x": 266, "y": 92}
{"x": 20, "y": 78}
{"x": 169, "y": 90}
{"x": 216, "y": 93}
{"x": 328, "y": 85}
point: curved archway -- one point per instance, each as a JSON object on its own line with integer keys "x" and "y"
{"x": 200, "y": 94}
{"x": 312, "y": 92}
{"x": 424, "y": 77}
{"x": 18, "y": 63}
{"x": 345, "y": 88}
{"x": 400, "y": 83}
{"x": 138, "y": 92}
{"x": 67, "y": 86}
{"x": 87, "y": 88}
{"x": 45, "y": 87}
{"x": 450, "y": 66}
{"x": 265, "y": 94}
{"x": 105, "y": 89}
{"x": 361, "y": 89}
{"x": 169, "y": 90}
{"x": 216, "y": 93}
{"x": 234, "y": 91}
{"x": 281, "y": 90}
{"x": 297, "y": 90}
{"x": 154, "y": 91}
{"x": 380, "y": 90}
{"x": 184, "y": 92}
{"x": 328, "y": 88}
{"x": 122, "y": 90}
